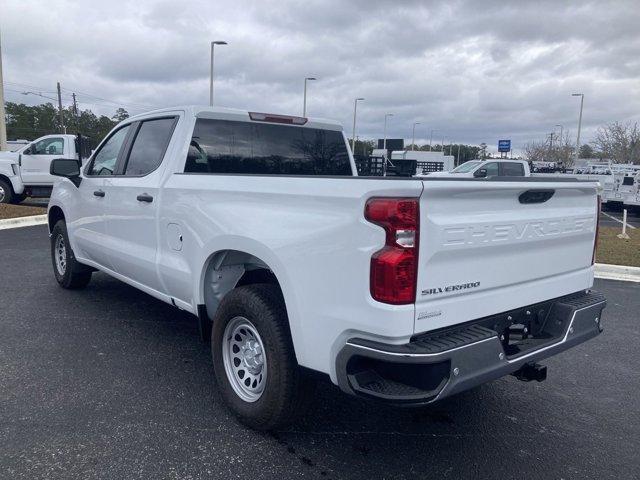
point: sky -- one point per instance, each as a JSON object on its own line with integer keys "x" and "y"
{"x": 471, "y": 71}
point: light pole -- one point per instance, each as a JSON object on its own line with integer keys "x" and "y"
{"x": 413, "y": 136}
{"x": 213, "y": 44}
{"x": 353, "y": 137}
{"x": 384, "y": 144}
{"x": 581, "y": 95}
{"x": 304, "y": 101}
{"x": 431, "y": 139}
{"x": 384, "y": 141}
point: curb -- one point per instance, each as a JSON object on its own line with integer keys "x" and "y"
{"x": 23, "y": 221}
{"x": 617, "y": 272}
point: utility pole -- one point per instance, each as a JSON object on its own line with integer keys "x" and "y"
{"x": 458, "y": 156}
{"x": 3, "y": 125}
{"x": 75, "y": 113}
{"x": 64, "y": 129}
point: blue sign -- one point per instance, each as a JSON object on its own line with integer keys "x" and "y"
{"x": 504, "y": 145}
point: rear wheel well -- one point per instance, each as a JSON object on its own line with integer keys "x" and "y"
{"x": 223, "y": 272}
{"x": 55, "y": 214}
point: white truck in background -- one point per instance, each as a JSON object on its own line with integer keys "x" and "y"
{"x": 402, "y": 290}
{"x": 631, "y": 185}
{"x": 491, "y": 167}
{"x": 25, "y": 171}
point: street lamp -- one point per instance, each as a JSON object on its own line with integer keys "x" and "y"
{"x": 353, "y": 137}
{"x": 581, "y": 95}
{"x": 384, "y": 141}
{"x": 413, "y": 135}
{"x": 213, "y": 44}
{"x": 304, "y": 102}
{"x": 431, "y": 139}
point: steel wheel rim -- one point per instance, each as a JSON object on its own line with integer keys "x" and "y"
{"x": 2, "y": 194}
{"x": 244, "y": 358}
{"x": 60, "y": 255}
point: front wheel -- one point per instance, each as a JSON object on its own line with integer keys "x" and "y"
{"x": 6, "y": 192}
{"x": 254, "y": 360}
{"x": 68, "y": 271}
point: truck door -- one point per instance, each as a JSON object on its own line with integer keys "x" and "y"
{"x": 133, "y": 200}
{"x": 36, "y": 160}
{"x": 89, "y": 232}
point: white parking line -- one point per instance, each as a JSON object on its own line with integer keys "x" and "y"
{"x": 617, "y": 220}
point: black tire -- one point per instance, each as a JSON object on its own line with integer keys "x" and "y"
{"x": 17, "y": 199}
{"x": 283, "y": 396}
{"x": 70, "y": 274}
{"x": 6, "y": 192}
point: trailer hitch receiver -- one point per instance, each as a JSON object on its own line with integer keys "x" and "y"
{"x": 531, "y": 371}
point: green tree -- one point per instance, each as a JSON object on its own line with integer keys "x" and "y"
{"x": 586, "y": 151}
{"x": 30, "y": 122}
{"x": 120, "y": 115}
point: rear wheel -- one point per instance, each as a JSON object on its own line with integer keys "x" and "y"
{"x": 68, "y": 271}
{"x": 253, "y": 358}
{"x": 6, "y": 192}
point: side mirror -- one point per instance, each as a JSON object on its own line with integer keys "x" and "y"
{"x": 480, "y": 173}
{"x": 66, "y": 167}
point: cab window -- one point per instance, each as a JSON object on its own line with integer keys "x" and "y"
{"x": 492, "y": 169}
{"x": 149, "y": 146}
{"x": 48, "y": 146}
{"x": 104, "y": 161}
{"x": 512, "y": 169}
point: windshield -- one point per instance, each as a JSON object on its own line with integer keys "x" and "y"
{"x": 465, "y": 167}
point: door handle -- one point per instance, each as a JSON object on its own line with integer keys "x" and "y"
{"x": 145, "y": 197}
{"x": 99, "y": 193}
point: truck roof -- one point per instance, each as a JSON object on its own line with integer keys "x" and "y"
{"x": 224, "y": 113}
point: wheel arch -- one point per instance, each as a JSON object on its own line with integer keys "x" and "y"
{"x": 229, "y": 268}
{"x": 54, "y": 215}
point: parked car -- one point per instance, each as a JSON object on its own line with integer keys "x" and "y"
{"x": 403, "y": 290}
{"x": 25, "y": 171}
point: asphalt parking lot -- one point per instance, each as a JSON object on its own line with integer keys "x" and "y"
{"x": 110, "y": 383}
{"x": 612, "y": 217}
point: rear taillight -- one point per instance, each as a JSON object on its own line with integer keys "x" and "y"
{"x": 394, "y": 268}
{"x": 595, "y": 242}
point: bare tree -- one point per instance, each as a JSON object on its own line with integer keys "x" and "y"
{"x": 536, "y": 151}
{"x": 619, "y": 142}
{"x": 561, "y": 151}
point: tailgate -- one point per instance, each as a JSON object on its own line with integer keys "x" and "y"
{"x": 483, "y": 252}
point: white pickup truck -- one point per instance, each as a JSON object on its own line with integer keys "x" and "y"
{"x": 25, "y": 171}
{"x": 497, "y": 167}
{"x": 403, "y": 290}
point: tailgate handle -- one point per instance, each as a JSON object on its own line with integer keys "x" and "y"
{"x": 536, "y": 196}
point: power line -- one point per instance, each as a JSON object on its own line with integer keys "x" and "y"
{"x": 85, "y": 94}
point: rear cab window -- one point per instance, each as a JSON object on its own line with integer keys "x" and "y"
{"x": 228, "y": 147}
{"x": 512, "y": 169}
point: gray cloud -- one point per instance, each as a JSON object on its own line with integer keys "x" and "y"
{"x": 472, "y": 70}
